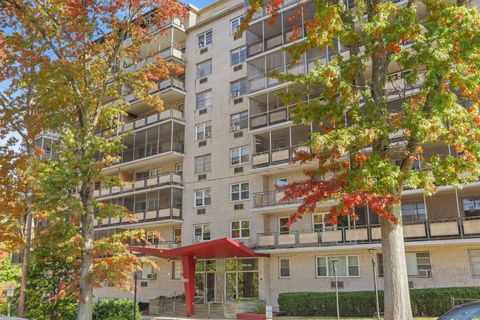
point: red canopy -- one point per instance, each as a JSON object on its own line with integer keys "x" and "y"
{"x": 213, "y": 249}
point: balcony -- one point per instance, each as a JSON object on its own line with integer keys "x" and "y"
{"x": 270, "y": 117}
{"x": 171, "y": 90}
{"x": 158, "y": 206}
{"x": 266, "y": 200}
{"x": 432, "y": 230}
{"x": 163, "y": 180}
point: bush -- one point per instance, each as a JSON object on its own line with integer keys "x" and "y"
{"x": 119, "y": 309}
{"x": 425, "y": 302}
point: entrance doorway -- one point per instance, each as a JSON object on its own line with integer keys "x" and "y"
{"x": 205, "y": 281}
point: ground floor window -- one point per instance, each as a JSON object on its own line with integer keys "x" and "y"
{"x": 177, "y": 270}
{"x": 418, "y": 264}
{"x": 474, "y": 256}
{"x": 241, "y": 278}
{"x": 284, "y": 267}
{"x": 347, "y": 266}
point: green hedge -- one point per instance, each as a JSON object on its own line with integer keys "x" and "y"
{"x": 119, "y": 309}
{"x": 425, "y": 302}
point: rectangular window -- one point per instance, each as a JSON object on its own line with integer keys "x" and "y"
{"x": 203, "y": 131}
{"x": 204, "y": 39}
{"x": 346, "y": 266}
{"x": 204, "y": 99}
{"x": 204, "y": 69}
{"x": 179, "y": 167}
{"x": 474, "y": 256}
{"x": 412, "y": 212}
{"x": 282, "y": 225}
{"x": 176, "y": 270}
{"x": 471, "y": 207}
{"x": 318, "y": 222}
{"x": 177, "y": 235}
{"x": 202, "y": 232}
{"x": 236, "y": 23}
{"x": 239, "y": 191}
{"x": 284, "y": 267}
{"x": 239, "y": 155}
{"x": 202, "y": 197}
{"x": 418, "y": 264}
{"x": 239, "y": 121}
{"x": 238, "y": 88}
{"x": 203, "y": 163}
{"x": 237, "y": 56}
{"x": 240, "y": 229}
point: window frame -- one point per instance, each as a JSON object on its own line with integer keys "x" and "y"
{"x": 202, "y": 65}
{"x": 240, "y": 191}
{"x": 203, "y": 125}
{"x": 417, "y": 265}
{"x": 204, "y": 93}
{"x": 471, "y": 262}
{"x": 240, "y": 229}
{"x": 238, "y": 51}
{"x": 242, "y": 90}
{"x": 174, "y": 270}
{"x": 203, "y": 232}
{"x": 236, "y": 128}
{"x": 347, "y": 267}
{"x": 240, "y": 155}
{"x": 206, "y": 166}
{"x": 415, "y": 210}
{"x": 175, "y": 235}
{"x": 204, "y": 197}
{"x": 204, "y": 36}
{"x": 238, "y": 20}
{"x": 280, "y": 226}
{"x": 280, "y": 268}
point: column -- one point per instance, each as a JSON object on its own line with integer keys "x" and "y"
{"x": 188, "y": 264}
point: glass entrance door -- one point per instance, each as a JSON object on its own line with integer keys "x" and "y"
{"x": 210, "y": 286}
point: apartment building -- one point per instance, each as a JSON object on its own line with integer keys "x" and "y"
{"x": 206, "y": 168}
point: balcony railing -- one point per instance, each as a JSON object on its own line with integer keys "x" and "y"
{"x": 272, "y": 42}
{"x": 270, "y": 117}
{"x": 162, "y": 86}
{"x": 277, "y": 156}
{"x": 270, "y": 199}
{"x": 160, "y": 213}
{"x": 151, "y": 149}
{"x": 264, "y": 12}
{"x": 167, "y": 179}
{"x": 454, "y": 228}
{"x": 158, "y": 244}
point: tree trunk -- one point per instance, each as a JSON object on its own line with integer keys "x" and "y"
{"x": 25, "y": 263}
{"x": 397, "y": 296}
{"x": 85, "y": 305}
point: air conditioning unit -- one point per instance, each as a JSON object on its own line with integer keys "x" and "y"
{"x": 424, "y": 273}
{"x": 202, "y": 177}
{"x": 201, "y": 211}
{"x": 152, "y": 276}
{"x": 235, "y": 29}
{"x": 238, "y": 170}
{"x": 202, "y": 143}
{"x": 238, "y": 134}
{"x": 235, "y": 94}
{"x": 203, "y": 50}
{"x": 238, "y": 100}
{"x": 238, "y": 206}
{"x": 202, "y": 111}
{"x": 339, "y": 283}
{"x": 203, "y": 80}
{"x": 237, "y": 67}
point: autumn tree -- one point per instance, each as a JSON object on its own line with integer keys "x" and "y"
{"x": 367, "y": 146}
{"x": 80, "y": 47}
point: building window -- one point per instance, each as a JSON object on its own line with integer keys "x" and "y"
{"x": 202, "y": 197}
{"x": 202, "y": 232}
{"x": 179, "y": 167}
{"x": 203, "y": 163}
{"x": 412, "y": 212}
{"x": 474, "y": 256}
{"x": 204, "y": 99}
{"x": 240, "y": 229}
{"x": 239, "y": 191}
{"x": 204, "y": 69}
{"x": 241, "y": 278}
{"x": 239, "y": 155}
{"x": 283, "y": 225}
{"x": 347, "y": 266}
{"x": 237, "y": 56}
{"x": 239, "y": 121}
{"x": 471, "y": 207}
{"x": 176, "y": 270}
{"x": 281, "y": 182}
{"x": 238, "y": 88}
{"x": 418, "y": 264}
{"x": 204, "y": 39}
{"x": 284, "y": 267}
{"x": 177, "y": 235}
{"x": 203, "y": 131}
{"x": 236, "y": 23}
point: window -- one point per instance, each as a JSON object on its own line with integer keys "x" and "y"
{"x": 203, "y": 131}
{"x": 179, "y": 167}
{"x": 239, "y": 191}
{"x": 282, "y": 225}
{"x": 318, "y": 222}
{"x": 474, "y": 256}
{"x": 347, "y": 266}
{"x": 176, "y": 270}
{"x": 202, "y": 197}
{"x": 204, "y": 99}
{"x": 177, "y": 235}
{"x": 412, "y": 212}
{"x": 237, "y": 56}
{"x": 418, "y": 264}
{"x": 238, "y": 88}
{"x": 281, "y": 182}
{"x": 284, "y": 267}
{"x": 240, "y": 229}
{"x": 239, "y": 155}
{"x": 154, "y": 172}
{"x": 204, "y": 69}
{"x": 239, "y": 121}
{"x": 202, "y": 232}
{"x": 204, "y": 39}
{"x": 471, "y": 207}
{"x": 203, "y": 163}
{"x": 235, "y": 23}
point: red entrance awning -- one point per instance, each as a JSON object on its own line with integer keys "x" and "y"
{"x": 213, "y": 249}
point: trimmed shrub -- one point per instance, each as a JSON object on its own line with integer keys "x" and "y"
{"x": 425, "y": 302}
{"x": 118, "y": 309}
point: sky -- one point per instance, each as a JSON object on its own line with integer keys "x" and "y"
{"x": 199, "y": 3}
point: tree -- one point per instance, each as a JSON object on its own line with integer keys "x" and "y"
{"x": 436, "y": 44}
{"x": 79, "y": 47}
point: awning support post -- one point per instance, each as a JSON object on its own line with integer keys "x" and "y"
{"x": 188, "y": 263}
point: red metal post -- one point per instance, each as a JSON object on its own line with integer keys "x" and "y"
{"x": 188, "y": 263}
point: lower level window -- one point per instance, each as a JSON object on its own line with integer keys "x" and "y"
{"x": 202, "y": 232}
{"x": 418, "y": 264}
{"x": 474, "y": 256}
{"x": 176, "y": 270}
{"x": 284, "y": 267}
{"x": 346, "y": 266}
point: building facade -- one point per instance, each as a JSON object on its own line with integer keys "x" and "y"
{"x": 207, "y": 167}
